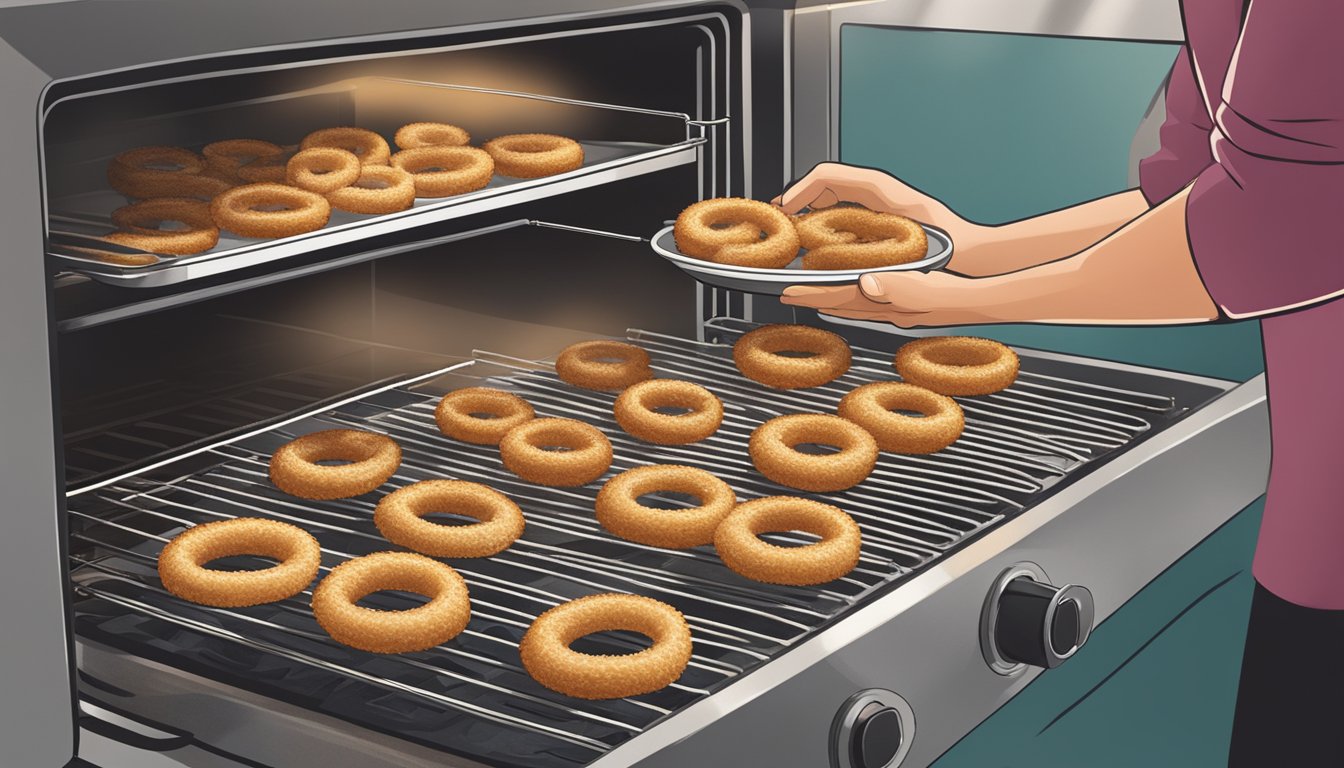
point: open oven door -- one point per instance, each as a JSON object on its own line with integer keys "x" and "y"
{"x": 37, "y": 721}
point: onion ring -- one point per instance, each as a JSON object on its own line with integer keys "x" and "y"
{"x": 457, "y": 416}
{"x": 603, "y": 365}
{"x": 734, "y": 230}
{"x": 758, "y": 356}
{"x": 369, "y": 147}
{"x": 533, "y": 155}
{"x": 957, "y": 365}
{"x": 636, "y": 412}
{"x": 336, "y": 598}
{"x": 373, "y": 459}
{"x": 224, "y": 158}
{"x": 396, "y": 193}
{"x": 459, "y": 169}
{"x": 548, "y": 658}
{"x": 739, "y": 545}
{"x": 619, "y": 511}
{"x": 870, "y": 406}
{"x": 149, "y": 172}
{"x": 182, "y": 562}
{"x": 400, "y": 518}
{"x": 586, "y": 455}
{"x": 270, "y": 210}
{"x": 270, "y": 168}
{"x": 140, "y": 224}
{"x": 415, "y": 135}
{"x": 773, "y": 449}
{"x": 857, "y": 238}
{"x": 322, "y": 169}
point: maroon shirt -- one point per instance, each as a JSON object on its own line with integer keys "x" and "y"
{"x": 1255, "y": 117}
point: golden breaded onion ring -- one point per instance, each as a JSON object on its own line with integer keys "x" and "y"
{"x": 586, "y": 453}
{"x": 445, "y": 171}
{"x": 636, "y": 411}
{"x": 773, "y": 449}
{"x": 550, "y": 660}
{"x": 336, "y": 603}
{"x": 857, "y": 238}
{"x": 739, "y": 545}
{"x": 619, "y": 511}
{"x": 533, "y": 155}
{"x": 141, "y": 226}
{"x": 872, "y": 407}
{"x": 737, "y": 231}
{"x": 270, "y": 210}
{"x": 413, "y": 135}
{"x": 182, "y": 562}
{"x": 373, "y": 458}
{"x": 369, "y": 147}
{"x": 957, "y": 365}
{"x": 322, "y": 169}
{"x": 758, "y": 355}
{"x": 400, "y": 517}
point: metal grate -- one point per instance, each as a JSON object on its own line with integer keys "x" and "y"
{"x": 1017, "y": 444}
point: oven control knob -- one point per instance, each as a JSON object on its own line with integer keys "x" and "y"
{"x": 1039, "y": 624}
{"x": 877, "y": 737}
{"x": 873, "y": 729}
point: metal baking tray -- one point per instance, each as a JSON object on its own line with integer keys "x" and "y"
{"x": 772, "y": 282}
{"x": 367, "y": 103}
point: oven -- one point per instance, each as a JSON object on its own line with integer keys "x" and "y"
{"x": 142, "y": 400}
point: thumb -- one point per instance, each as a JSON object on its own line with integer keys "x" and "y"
{"x": 874, "y": 287}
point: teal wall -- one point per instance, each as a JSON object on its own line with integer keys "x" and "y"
{"x": 1001, "y": 127}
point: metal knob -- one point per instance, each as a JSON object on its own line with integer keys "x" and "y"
{"x": 1030, "y": 622}
{"x": 872, "y": 729}
{"x": 877, "y": 737}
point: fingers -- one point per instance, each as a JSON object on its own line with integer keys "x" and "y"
{"x": 821, "y": 187}
{"x": 804, "y": 193}
{"x": 826, "y": 297}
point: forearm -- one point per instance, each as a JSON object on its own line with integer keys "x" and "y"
{"x": 995, "y": 250}
{"x": 1141, "y": 274}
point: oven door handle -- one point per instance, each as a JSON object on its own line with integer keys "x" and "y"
{"x": 120, "y": 727}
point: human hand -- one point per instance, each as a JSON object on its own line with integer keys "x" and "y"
{"x": 830, "y": 183}
{"x": 906, "y": 299}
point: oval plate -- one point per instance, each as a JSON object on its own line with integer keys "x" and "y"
{"x": 773, "y": 281}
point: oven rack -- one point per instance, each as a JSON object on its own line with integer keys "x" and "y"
{"x": 914, "y": 508}
{"x": 86, "y": 213}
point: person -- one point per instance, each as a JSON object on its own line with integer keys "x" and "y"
{"x": 1238, "y": 215}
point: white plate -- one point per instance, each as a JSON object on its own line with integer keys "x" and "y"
{"x": 774, "y": 281}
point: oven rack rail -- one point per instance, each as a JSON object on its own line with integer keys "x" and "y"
{"x": 73, "y": 220}
{"x": 1017, "y": 444}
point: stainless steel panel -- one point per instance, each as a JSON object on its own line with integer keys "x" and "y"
{"x": 73, "y": 39}
{"x": 36, "y": 708}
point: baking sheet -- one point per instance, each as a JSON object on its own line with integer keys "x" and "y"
{"x": 88, "y": 213}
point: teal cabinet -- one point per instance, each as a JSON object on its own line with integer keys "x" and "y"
{"x": 1002, "y": 127}
{"x": 1154, "y": 686}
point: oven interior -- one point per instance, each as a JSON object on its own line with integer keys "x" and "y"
{"x": 174, "y": 392}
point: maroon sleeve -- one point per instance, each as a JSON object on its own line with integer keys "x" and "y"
{"x": 1265, "y": 218}
{"x": 1184, "y": 150}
